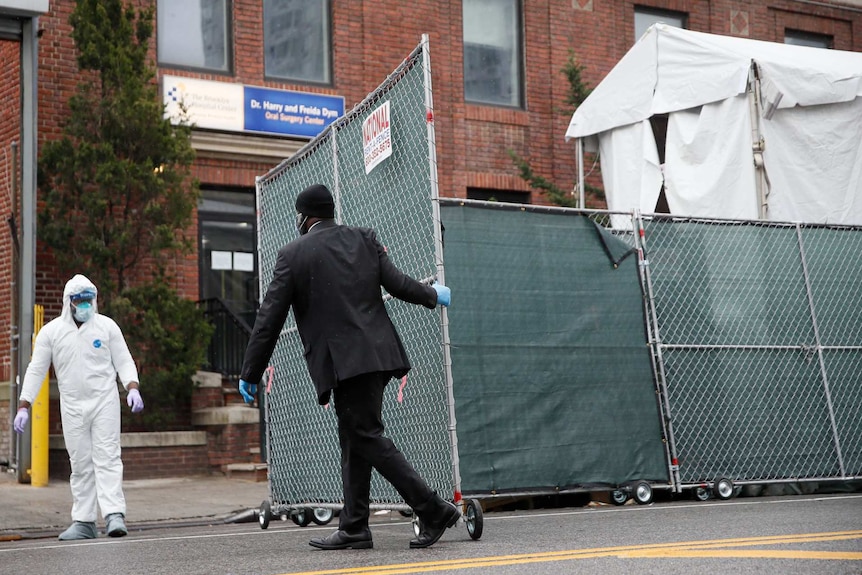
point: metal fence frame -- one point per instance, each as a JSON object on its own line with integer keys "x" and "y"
{"x": 817, "y": 347}
{"x": 338, "y": 178}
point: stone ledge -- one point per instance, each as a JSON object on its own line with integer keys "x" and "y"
{"x": 227, "y": 415}
{"x": 151, "y": 439}
{"x": 250, "y": 471}
{"x": 207, "y": 379}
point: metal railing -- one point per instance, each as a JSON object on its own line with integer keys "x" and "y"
{"x": 229, "y": 340}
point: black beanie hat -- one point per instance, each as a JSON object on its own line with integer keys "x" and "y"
{"x": 315, "y": 201}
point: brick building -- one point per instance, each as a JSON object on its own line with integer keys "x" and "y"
{"x": 497, "y": 83}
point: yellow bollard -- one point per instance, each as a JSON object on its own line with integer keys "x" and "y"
{"x": 39, "y": 419}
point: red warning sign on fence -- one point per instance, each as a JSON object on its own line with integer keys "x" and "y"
{"x": 377, "y": 137}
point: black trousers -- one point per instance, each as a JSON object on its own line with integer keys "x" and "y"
{"x": 358, "y": 406}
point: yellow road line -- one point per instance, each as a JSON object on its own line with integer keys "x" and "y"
{"x": 754, "y": 554}
{"x": 719, "y": 548}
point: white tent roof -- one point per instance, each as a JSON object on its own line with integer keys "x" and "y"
{"x": 670, "y": 69}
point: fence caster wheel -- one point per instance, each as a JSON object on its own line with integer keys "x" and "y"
{"x": 701, "y": 493}
{"x": 322, "y": 516}
{"x": 264, "y": 514}
{"x": 417, "y": 525}
{"x": 619, "y": 496}
{"x": 643, "y": 493}
{"x": 474, "y": 518}
{"x": 723, "y": 488}
{"x": 302, "y": 517}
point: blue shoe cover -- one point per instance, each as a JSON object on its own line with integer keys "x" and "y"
{"x": 79, "y": 530}
{"x": 115, "y": 526}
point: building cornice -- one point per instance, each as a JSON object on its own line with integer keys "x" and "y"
{"x": 245, "y": 147}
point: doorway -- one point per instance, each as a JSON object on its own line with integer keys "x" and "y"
{"x": 227, "y": 248}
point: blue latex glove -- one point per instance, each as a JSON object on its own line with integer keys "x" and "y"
{"x": 134, "y": 400}
{"x": 21, "y": 420}
{"x": 444, "y": 294}
{"x": 247, "y": 390}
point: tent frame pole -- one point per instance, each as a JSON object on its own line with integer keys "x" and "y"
{"x": 581, "y": 193}
{"x": 757, "y": 142}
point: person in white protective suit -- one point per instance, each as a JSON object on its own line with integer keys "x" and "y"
{"x": 88, "y": 352}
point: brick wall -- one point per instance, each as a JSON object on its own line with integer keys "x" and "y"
{"x": 210, "y": 448}
{"x": 10, "y": 101}
{"x": 230, "y": 444}
{"x": 371, "y": 37}
{"x": 144, "y": 462}
{"x": 5, "y": 431}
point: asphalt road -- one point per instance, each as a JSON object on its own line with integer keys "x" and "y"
{"x": 801, "y": 535}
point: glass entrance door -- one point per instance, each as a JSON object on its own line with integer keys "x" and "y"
{"x": 227, "y": 251}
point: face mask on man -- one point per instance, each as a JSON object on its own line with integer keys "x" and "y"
{"x": 300, "y": 223}
{"x": 84, "y": 311}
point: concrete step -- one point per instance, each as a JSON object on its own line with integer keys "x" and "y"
{"x": 227, "y": 415}
{"x": 231, "y": 395}
{"x": 249, "y": 471}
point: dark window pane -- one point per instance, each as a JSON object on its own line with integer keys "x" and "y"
{"x": 646, "y": 17}
{"x": 296, "y": 39}
{"x": 489, "y": 195}
{"x": 227, "y": 250}
{"x": 193, "y": 34}
{"x": 800, "y": 38}
{"x": 492, "y": 52}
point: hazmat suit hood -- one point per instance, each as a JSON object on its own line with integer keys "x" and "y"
{"x": 76, "y": 285}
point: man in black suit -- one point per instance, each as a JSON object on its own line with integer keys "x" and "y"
{"x": 331, "y": 275}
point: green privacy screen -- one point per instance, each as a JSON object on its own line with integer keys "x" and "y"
{"x": 759, "y": 327}
{"x": 553, "y": 383}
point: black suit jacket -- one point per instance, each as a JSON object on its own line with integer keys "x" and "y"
{"x": 332, "y": 277}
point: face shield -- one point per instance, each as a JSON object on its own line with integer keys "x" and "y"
{"x": 83, "y": 305}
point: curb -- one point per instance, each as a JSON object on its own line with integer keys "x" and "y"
{"x": 240, "y": 516}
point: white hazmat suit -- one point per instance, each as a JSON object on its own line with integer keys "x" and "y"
{"x": 87, "y": 360}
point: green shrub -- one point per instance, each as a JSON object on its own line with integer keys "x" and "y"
{"x": 168, "y": 336}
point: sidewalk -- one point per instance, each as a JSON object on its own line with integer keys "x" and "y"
{"x": 33, "y": 512}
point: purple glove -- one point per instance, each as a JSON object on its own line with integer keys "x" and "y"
{"x": 135, "y": 400}
{"x": 21, "y": 420}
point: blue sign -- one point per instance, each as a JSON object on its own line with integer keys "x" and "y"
{"x": 289, "y": 113}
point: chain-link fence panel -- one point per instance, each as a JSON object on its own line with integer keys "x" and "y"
{"x": 397, "y": 198}
{"x": 753, "y": 325}
{"x": 831, "y": 265}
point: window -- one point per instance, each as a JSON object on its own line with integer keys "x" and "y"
{"x": 646, "y": 17}
{"x": 194, "y": 34}
{"x": 296, "y": 40}
{"x": 493, "y": 61}
{"x": 227, "y": 250}
{"x": 799, "y": 38}
{"x": 498, "y": 196}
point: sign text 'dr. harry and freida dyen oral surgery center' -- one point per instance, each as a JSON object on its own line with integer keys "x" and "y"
{"x": 240, "y": 108}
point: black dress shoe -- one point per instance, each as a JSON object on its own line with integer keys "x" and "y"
{"x": 344, "y": 540}
{"x": 430, "y": 534}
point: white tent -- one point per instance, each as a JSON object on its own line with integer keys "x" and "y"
{"x": 755, "y": 129}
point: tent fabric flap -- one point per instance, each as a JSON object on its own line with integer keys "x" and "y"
{"x": 709, "y": 171}
{"x": 813, "y": 157}
{"x": 630, "y": 168}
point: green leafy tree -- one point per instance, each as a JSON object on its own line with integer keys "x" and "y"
{"x": 173, "y": 340}
{"x": 576, "y": 93}
{"x": 578, "y": 89}
{"x": 116, "y": 187}
{"x": 117, "y": 196}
